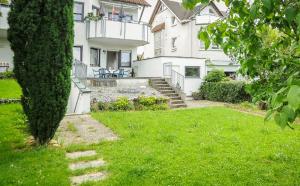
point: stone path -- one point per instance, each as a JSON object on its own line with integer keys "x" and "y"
{"x": 202, "y": 103}
{"x": 82, "y": 129}
{"x": 82, "y": 165}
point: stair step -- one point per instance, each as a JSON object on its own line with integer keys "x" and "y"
{"x": 178, "y": 106}
{"x": 171, "y": 94}
{"x": 164, "y": 88}
{"x": 173, "y": 102}
{"x": 158, "y": 80}
{"x": 161, "y": 85}
{"x": 97, "y": 176}
{"x": 75, "y": 155}
{"x": 84, "y": 165}
{"x": 175, "y": 97}
{"x": 167, "y": 91}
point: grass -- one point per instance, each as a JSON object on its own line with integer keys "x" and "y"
{"x": 71, "y": 127}
{"x": 21, "y": 164}
{"x": 211, "y": 146}
{"x": 9, "y": 88}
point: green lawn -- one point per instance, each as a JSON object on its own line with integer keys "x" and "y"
{"x": 23, "y": 165}
{"x": 211, "y": 146}
{"x": 9, "y": 88}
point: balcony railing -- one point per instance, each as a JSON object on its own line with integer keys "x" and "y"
{"x": 135, "y": 32}
{"x": 4, "y": 9}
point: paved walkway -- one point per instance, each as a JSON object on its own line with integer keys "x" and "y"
{"x": 83, "y": 129}
{"x": 202, "y": 103}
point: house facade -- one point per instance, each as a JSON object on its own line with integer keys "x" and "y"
{"x": 107, "y": 33}
{"x": 174, "y": 35}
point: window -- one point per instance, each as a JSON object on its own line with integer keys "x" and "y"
{"x": 174, "y": 43}
{"x": 114, "y": 16}
{"x": 77, "y": 53}
{"x": 157, "y": 43}
{"x": 125, "y": 59}
{"x": 212, "y": 46}
{"x": 96, "y": 11}
{"x": 162, "y": 7}
{"x": 95, "y": 57}
{"x": 192, "y": 72}
{"x": 173, "y": 20}
{"x": 78, "y": 11}
{"x": 211, "y": 12}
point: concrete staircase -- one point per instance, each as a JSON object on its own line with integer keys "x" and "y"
{"x": 163, "y": 87}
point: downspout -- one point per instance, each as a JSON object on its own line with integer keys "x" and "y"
{"x": 142, "y": 13}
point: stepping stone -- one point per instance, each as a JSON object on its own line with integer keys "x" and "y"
{"x": 88, "y": 164}
{"x": 77, "y": 180}
{"x": 75, "y": 155}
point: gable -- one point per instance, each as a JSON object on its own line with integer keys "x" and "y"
{"x": 179, "y": 11}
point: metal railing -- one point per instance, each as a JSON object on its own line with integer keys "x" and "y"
{"x": 111, "y": 28}
{"x": 79, "y": 71}
{"x": 174, "y": 78}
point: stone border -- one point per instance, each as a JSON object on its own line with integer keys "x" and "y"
{"x": 9, "y": 101}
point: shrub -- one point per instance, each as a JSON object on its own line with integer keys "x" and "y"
{"x": 122, "y": 103}
{"x": 41, "y": 36}
{"x": 197, "y": 96}
{"x": 7, "y": 75}
{"x": 232, "y": 91}
{"x": 215, "y": 76}
{"x": 150, "y": 103}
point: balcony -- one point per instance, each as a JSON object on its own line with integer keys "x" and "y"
{"x": 4, "y": 9}
{"x": 112, "y": 32}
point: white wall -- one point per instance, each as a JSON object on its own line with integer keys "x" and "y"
{"x": 154, "y": 68}
{"x": 6, "y": 54}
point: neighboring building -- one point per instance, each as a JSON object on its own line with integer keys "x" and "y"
{"x": 108, "y": 42}
{"x": 174, "y": 40}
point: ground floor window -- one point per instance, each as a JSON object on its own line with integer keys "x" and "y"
{"x": 125, "y": 58}
{"x": 192, "y": 71}
{"x": 95, "y": 57}
{"x": 77, "y": 53}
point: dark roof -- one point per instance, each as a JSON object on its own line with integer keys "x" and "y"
{"x": 176, "y": 7}
{"x": 179, "y": 11}
{"x": 138, "y": 2}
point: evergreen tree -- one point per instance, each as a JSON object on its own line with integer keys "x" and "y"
{"x": 41, "y": 37}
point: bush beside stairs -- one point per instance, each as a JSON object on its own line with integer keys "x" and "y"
{"x": 161, "y": 85}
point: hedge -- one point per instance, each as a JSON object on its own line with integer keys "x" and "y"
{"x": 231, "y": 91}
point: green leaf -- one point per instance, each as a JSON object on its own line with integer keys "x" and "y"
{"x": 267, "y": 4}
{"x": 289, "y": 112}
{"x": 290, "y": 14}
{"x": 281, "y": 120}
{"x": 269, "y": 115}
{"x": 203, "y": 35}
{"x": 298, "y": 19}
{"x": 293, "y": 97}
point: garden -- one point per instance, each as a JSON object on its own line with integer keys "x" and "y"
{"x": 205, "y": 146}
{"x": 156, "y": 145}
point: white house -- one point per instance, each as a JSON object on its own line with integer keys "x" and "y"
{"x": 107, "y": 33}
{"x": 173, "y": 40}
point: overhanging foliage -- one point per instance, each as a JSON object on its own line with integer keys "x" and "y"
{"x": 264, "y": 38}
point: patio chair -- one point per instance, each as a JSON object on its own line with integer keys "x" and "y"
{"x": 119, "y": 73}
{"x": 96, "y": 73}
{"x": 103, "y": 73}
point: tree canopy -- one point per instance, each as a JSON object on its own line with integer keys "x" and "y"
{"x": 263, "y": 36}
